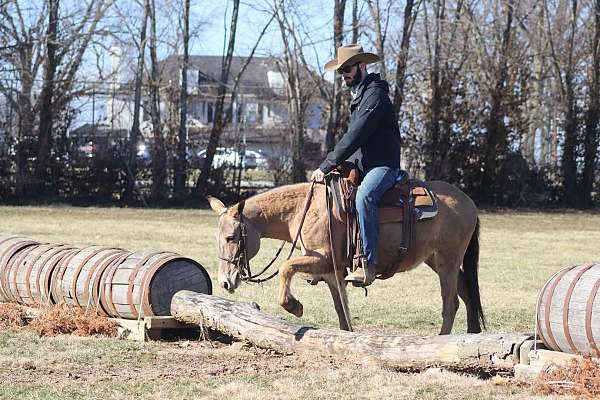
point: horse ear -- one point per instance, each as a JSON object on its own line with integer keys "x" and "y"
{"x": 216, "y": 204}
{"x": 240, "y": 208}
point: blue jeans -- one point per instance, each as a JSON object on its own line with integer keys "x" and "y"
{"x": 375, "y": 183}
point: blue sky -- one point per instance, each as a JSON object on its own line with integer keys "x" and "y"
{"x": 316, "y": 18}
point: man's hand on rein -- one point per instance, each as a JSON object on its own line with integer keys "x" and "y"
{"x": 317, "y": 175}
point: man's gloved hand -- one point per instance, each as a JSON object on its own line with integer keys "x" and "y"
{"x": 317, "y": 175}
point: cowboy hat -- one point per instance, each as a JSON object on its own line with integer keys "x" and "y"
{"x": 350, "y": 54}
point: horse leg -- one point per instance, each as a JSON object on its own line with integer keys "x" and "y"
{"x": 447, "y": 271}
{"x": 473, "y": 325}
{"x": 340, "y": 301}
{"x": 305, "y": 264}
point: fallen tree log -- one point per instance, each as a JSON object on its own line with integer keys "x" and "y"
{"x": 497, "y": 351}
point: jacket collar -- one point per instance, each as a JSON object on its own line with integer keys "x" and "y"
{"x": 360, "y": 89}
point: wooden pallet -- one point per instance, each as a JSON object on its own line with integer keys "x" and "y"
{"x": 150, "y": 327}
{"x": 535, "y": 357}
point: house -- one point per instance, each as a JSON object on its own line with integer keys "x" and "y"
{"x": 258, "y": 113}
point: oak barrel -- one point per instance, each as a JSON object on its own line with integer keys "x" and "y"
{"x": 34, "y": 275}
{"x": 10, "y": 246}
{"x": 568, "y": 310}
{"x": 144, "y": 283}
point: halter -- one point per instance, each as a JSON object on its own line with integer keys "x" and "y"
{"x": 240, "y": 258}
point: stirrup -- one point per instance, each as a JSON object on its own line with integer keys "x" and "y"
{"x": 359, "y": 279}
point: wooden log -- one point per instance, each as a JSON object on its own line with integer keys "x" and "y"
{"x": 497, "y": 351}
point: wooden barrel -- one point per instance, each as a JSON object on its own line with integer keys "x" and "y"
{"x": 568, "y": 310}
{"x": 67, "y": 274}
{"x": 82, "y": 280}
{"x": 144, "y": 283}
{"x": 34, "y": 274}
{"x": 14, "y": 275}
{"x": 9, "y": 247}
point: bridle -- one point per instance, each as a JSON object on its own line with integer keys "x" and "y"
{"x": 240, "y": 258}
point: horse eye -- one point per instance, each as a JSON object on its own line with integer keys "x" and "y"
{"x": 229, "y": 238}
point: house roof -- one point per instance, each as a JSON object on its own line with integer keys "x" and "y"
{"x": 255, "y": 78}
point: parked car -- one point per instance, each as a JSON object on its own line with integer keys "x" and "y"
{"x": 228, "y": 157}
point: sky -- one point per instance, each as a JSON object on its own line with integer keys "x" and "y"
{"x": 317, "y": 16}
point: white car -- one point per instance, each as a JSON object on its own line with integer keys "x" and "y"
{"x": 228, "y": 157}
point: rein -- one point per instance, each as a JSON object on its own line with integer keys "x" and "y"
{"x": 241, "y": 259}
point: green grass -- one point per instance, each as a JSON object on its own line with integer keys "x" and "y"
{"x": 519, "y": 252}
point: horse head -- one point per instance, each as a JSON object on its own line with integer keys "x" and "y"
{"x": 238, "y": 241}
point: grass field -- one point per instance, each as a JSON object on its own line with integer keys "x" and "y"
{"x": 519, "y": 252}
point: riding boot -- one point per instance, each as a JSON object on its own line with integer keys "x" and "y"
{"x": 362, "y": 275}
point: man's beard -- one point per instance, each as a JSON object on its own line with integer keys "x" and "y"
{"x": 357, "y": 78}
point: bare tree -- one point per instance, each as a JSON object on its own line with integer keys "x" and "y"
{"x": 219, "y": 120}
{"x": 355, "y": 21}
{"x": 46, "y": 98}
{"x": 496, "y": 144}
{"x": 380, "y": 23}
{"x": 563, "y": 55}
{"x": 410, "y": 15}
{"x": 592, "y": 123}
{"x": 137, "y": 100}
{"x": 159, "y": 156}
{"x": 180, "y": 158}
{"x": 299, "y": 90}
{"x": 334, "y": 117}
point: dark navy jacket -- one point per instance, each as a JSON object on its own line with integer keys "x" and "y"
{"x": 373, "y": 128}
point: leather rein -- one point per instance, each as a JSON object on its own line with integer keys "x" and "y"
{"x": 240, "y": 258}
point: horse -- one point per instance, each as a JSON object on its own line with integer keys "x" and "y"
{"x": 444, "y": 243}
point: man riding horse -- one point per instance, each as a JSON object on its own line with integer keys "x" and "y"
{"x": 374, "y": 130}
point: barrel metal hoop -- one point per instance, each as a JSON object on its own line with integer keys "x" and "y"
{"x": 145, "y": 283}
{"x": 4, "y": 261}
{"x": 107, "y": 285}
{"x": 97, "y": 286}
{"x": 107, "y": 258}
{"x": 552, "y": 341}
{"x": 14, "y": 269}
{"x": 131, "y": 281}
{"x": 566, "y": 303}
{"x": 50, "y": 270}
{"x": 76, "y": 273}
{"x": 43, "y": 249}
{"x": 42, "y": 262}
{"x": 59, "y": 274}
{"x": 589, "y": 309}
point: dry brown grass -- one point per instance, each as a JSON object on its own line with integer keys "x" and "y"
{"x": 57, "y": 320}
{"x": 62, "y": 319}
{"x": 12, "y": 316}
{"x": 580, "y": 378}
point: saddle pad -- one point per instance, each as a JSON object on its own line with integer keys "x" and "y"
{"x": 425, "y": 206}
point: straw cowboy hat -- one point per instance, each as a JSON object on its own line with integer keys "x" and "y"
{"x": 350, "y": 54}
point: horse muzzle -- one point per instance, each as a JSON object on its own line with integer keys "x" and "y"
{"x": 230, "y": 282}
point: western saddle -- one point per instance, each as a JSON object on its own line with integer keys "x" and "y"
{"x": 408, "y": 201}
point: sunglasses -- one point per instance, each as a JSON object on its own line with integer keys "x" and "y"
{"x": 346, "y": 69}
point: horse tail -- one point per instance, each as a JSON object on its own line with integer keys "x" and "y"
{"x": 470, "y": 267}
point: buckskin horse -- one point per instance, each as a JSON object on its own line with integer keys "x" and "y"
{"x": 444, "y": 243}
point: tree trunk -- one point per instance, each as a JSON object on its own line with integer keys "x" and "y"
{"x": 47, "y": 98}
{"x": 355, "y": 32}
{"x": 410, "y": 16}
{"x": 433, "y": 125}
{"x": 137, "y": 99}
{"x": 219, "y": 120}
{"x": 333, "y": 123}
{"x": 245, "y": 321}
{"x": 569, "y": 155}
{"x": 375, "y": 10}
{"x": 180, "y": 159}
{"x": 159, "y": 154}
{"x": 496, "y": 145}
{"x": 592, "y": 125}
